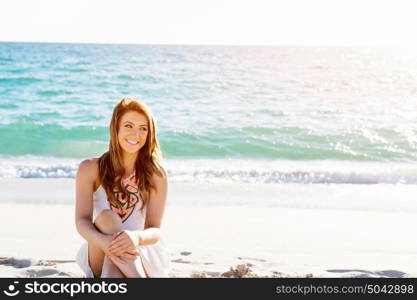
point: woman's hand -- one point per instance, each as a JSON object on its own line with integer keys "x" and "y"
{"x": 130, "y": 254}
{"x": 124, "y": 243}
{"x": 104, "y": 245}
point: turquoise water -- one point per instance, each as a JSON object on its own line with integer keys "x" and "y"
{"x": 212, "y": 103}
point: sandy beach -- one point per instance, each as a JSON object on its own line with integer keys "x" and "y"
{"x": 228, "y": 230}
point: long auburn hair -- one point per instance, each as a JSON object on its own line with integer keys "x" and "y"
{"x": 148, "y": 161}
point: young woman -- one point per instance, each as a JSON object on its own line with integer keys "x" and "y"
{"x": 120, "y": 200}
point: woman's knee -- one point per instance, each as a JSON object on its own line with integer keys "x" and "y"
{"x": 108, "y": 222}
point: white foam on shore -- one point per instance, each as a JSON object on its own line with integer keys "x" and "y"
{"x": 233, "y": 170}
{"x": 30, "y": 166}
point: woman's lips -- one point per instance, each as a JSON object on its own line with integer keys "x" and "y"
{"x": 132, "y": 142}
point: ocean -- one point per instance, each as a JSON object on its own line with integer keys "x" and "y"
{"x": 252, "y": 114}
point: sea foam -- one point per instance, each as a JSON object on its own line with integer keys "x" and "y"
{"x": 247, "y": 171}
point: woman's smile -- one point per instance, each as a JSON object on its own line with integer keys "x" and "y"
{"x": 132, "y": 142}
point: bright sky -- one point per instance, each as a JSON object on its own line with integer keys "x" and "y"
{"x": 289, "y": 22}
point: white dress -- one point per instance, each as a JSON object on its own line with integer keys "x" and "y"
{"x": 155, "y": 257}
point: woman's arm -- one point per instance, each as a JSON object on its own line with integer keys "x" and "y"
{"x": 154, "y": 214}
{"x": 155, "y": 211}
{"x": 86, "y": 175}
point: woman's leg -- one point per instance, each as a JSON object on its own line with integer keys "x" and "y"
{"x": 110, "y": 270}
{"x": 97, "y": 260}
{"x": 109, "y": 222}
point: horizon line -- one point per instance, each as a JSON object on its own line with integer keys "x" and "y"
{"x": 218, "y": 45}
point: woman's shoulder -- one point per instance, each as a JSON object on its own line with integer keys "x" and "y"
{"x": 160, "y": 177}
{"x": 88, "y": 168}
{"x": 89, "y": 164}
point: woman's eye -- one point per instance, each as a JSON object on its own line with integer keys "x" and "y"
{"x": 144, "y": 129}
{"x": 128, "y": 126}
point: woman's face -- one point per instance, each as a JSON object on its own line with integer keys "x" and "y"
{"x": 133, "y": 131}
